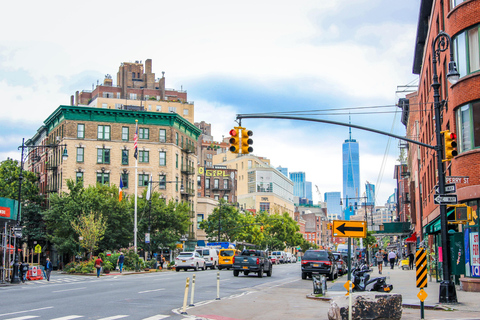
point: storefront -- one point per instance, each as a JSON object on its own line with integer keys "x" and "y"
{"x": 8, "y": 219}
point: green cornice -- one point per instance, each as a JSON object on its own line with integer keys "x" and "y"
{"x": 121, "y": 116}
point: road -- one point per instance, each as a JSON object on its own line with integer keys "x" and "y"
{"x": 145, "y": 296}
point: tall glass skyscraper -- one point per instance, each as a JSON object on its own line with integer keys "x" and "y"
{"x": 351, "y": 172}
{"x": 283, "y": 170}
{"x": 370, "y": 192}
{"x": 334, "y": 208}
{"x": 298, "y": 179}
{"x": 308, "y": 191}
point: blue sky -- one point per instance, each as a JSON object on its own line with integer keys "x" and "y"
{"x": 245, "y": 57}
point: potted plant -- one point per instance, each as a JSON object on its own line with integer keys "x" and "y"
{"x": 107, "y": 267}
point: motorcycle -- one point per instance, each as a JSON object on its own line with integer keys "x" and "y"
{"x": 361, "y": 280}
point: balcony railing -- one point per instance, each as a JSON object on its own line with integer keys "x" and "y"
{"x": 189, "y": 149}
{"x": 188, "y": 170}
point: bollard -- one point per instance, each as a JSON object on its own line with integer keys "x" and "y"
{"x": 218, "y": 286}
{"x": 350, "y": 300}
{"x": 193, "y": 291}
{"x": 185, "y": 298}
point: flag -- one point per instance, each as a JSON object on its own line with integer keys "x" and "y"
{"x": 135, "y": 143}
{"x": 149, "y": 190}
{"x": 120, "y": 192}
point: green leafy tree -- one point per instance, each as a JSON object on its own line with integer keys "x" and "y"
{"x": 226, "y": 218}
{"x": 90, "y": 228}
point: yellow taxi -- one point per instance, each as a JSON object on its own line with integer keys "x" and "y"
{"x": 226, "y": 257}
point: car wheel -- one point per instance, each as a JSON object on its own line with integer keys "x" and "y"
{"x": 177, "y": 269}
{"x": 196, "y": 267}
{"x": 304, "y": 276}
{"x": 260, "y": 273}
{"x": 235, "y": 273}
{"x": 269, "y": 272}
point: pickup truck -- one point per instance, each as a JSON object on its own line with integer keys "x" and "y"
{"x": 252, "y": 261}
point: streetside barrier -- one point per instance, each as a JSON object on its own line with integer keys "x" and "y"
{"x": 185, "y": 297}
{"x": 218, "y": 286}
{"x": 193, "y": 291}
{"x": 34, "y": 273}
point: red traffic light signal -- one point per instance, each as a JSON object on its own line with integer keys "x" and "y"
{"x": 234, "y": 141}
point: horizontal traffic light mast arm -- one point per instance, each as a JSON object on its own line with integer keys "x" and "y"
{"x": 260, "y": 116}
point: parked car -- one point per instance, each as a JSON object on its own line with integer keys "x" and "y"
{"x": 189, "y": 260}
{"x": 288, "y": 257}
{"x": 319, "y": 261}
{"x": 273, "y": 259}
{"x": 210, "y": 255}
{"x": 341, "y": 265}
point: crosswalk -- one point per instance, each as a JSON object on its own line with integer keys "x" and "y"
{"x": 70, "y": 317}
{"x": 65, "y": 279}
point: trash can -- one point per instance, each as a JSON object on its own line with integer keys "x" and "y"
{"x": 23, "y": 271}
{"x": 319, "y": 283}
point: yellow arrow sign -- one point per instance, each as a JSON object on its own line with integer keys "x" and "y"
{"x": 351, "y": 229}
{"x": 422, "y": 295}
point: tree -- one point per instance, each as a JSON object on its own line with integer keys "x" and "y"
{"x": 90, "y": 228}
{"x": 224, "y": 219}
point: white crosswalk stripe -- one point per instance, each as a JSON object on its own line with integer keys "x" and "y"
{"x": 120, "y": 316}
{"x": 114, "y": 317}
{"x": 157, "y": 317}
{"x": 68, "y": 317}
{"x": 23, "y": 318}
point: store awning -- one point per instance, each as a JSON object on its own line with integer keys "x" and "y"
{"x": 435, "y": 225}
{"x": 412, "y": 238}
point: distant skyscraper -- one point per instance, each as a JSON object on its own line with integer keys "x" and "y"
{"x": 334, "y": 208}
{"x": 370, "y": 192}
{"x": 283, "y": 170}
{"x": 298, "y": 179}
{"x": 351, "y": 170}
{"x": 308, "y": 190}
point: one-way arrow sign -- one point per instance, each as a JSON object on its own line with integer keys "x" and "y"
{"x": 445, "y": 199}
{"x": 449, "y": 188}
{"x": 353, "y": 229}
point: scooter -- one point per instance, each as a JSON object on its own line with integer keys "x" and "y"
{"x": 361, "y": 279}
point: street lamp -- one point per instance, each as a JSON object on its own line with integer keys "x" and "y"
{"x": 149, "y": 199}
{"x": 15, "y": 277}
{"x": 440, "y": 44}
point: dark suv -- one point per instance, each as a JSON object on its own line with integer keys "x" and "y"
{"x": 319, "y": 261}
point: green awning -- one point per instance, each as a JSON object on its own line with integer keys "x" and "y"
{"x": 435, "y": 225}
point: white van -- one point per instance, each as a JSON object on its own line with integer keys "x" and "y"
{"x": 210, "y": 255}
{"x": 280, "y": 256}
{"x": 288, "y": 257}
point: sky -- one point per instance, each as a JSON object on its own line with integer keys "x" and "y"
{"x": 337, "y": 57}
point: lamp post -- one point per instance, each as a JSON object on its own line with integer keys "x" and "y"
{"x": 15, "y": 277}
{"x": 149, "y": 199}
{"x": 440, "y": 44}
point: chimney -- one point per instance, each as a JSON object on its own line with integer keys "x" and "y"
{"x": 72, "y": 99}
{"x": 76, "y": 98}
{"x": 148, "y": 66}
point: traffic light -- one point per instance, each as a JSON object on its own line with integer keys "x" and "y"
{"x": 234, "y": 141}
{"x": 450, "y": 145}
{"x": 247, "y": 141}
{"x": 463, "y": 213}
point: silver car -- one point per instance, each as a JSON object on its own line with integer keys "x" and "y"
{"x": 189, "y": 260}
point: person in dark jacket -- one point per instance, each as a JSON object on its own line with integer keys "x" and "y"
{"x": 48, "y": 268}
{"x": 120, "y": 261}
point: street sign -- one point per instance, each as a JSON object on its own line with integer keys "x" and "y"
{"x": 421, "y": 266}
{"x": 38, "y": 248}
{"x": 353, "y": 229}
{"x": 450, "y": 179}
{"x": 422, "y": 295}
{"x": 18, "y": 232}
{"x": 147, "y": 237}
{"x": 449, "y": 188}
{"x": 445, "y": 199}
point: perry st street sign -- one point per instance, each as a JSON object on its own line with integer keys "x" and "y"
{"x": 449, "y": 188}
{"x": 445, "y": 199}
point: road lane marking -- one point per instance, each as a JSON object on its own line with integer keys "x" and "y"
{"x": 114, "y": 317}
{"x": 69, "y": 290}
{"x": 157, "y": 317}
{"x": 151, "y": 290}
{"x": 68, "y": 317}
{"x": 23, "y": 318}
{"x": 10, "y": 313}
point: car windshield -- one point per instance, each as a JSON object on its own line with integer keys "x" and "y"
{"x": 185, "y": 254}
{"x": 205, "y": 252}
{"x": 250, "y": 253}
{"x": 316, "y": 255}
{"x": 227, "y": 253}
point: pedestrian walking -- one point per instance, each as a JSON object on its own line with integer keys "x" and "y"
{"x": 385, "y": 258}
{"x": 392, "y": 256}
{"x": 48, "y": 268}
{"x": 411, "y": 258}
{"x": 98, "y": 266}
{"x": 379, "y": 257}
{"x": 120, "y": 261}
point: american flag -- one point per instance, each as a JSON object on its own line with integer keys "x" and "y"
{"x": 120, "y": 191}
{"x": 135, "y": 143}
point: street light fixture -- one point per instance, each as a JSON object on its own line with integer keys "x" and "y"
{"x": 23, "y": 157}
{"x": 440, "y": 44}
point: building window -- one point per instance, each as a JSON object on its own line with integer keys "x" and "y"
{"x": 207, "y": 183}
{"x": 103, "y": 178}
{"x": 225, "y": 184}
{"x": 80, "y": 131}
{"x": 143, "y": 133}
{"x": 199, "y": 182}
{"x": 105, "y": 105}
{"x": 199, "y": 219}
{"x": 265, "y": 206}
{"x": 185, "y": 112}
{"x": 467, "y": 51}
{"x": 176, "y": 184}
{"x": 133, "y": 96}
{"x": 80, "y": 154}
{"x": 176, "y": 138}
{"x": 79, "y": 177}
{"x": 118, "y": 95}
{"x": 159, "y": 108}
{"x": 225, "y": 197}
{"x": 125, "y": 133}
{"x": 149, "y": 106}
{"x": 124, "y": 157}
{"x": 103, "y": 132}
{"x": 118, "y": 106}
{"x": 215, "y": 183}
{"x": 172, "y": 109}
{"x": 162, "y": 182}
{"x": 176, "y": 161}
{"x": 163, "y": 135}
{"x": 143, "y": 156}
{"x": 249, "y": 164}
{"x": 143, "y": 180}
{"x": 468, "y": 122}
{"x": 125, "y": 180}
{"x": 103, "y": 156}
{"x": 163, "y": 158}
{"x": 216, "y": 197}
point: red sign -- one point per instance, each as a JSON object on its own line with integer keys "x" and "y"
{"x": 4, "y": 212}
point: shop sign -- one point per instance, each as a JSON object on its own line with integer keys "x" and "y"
{"x": 4, "y": 212}
{"x": 474, "y": 254}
